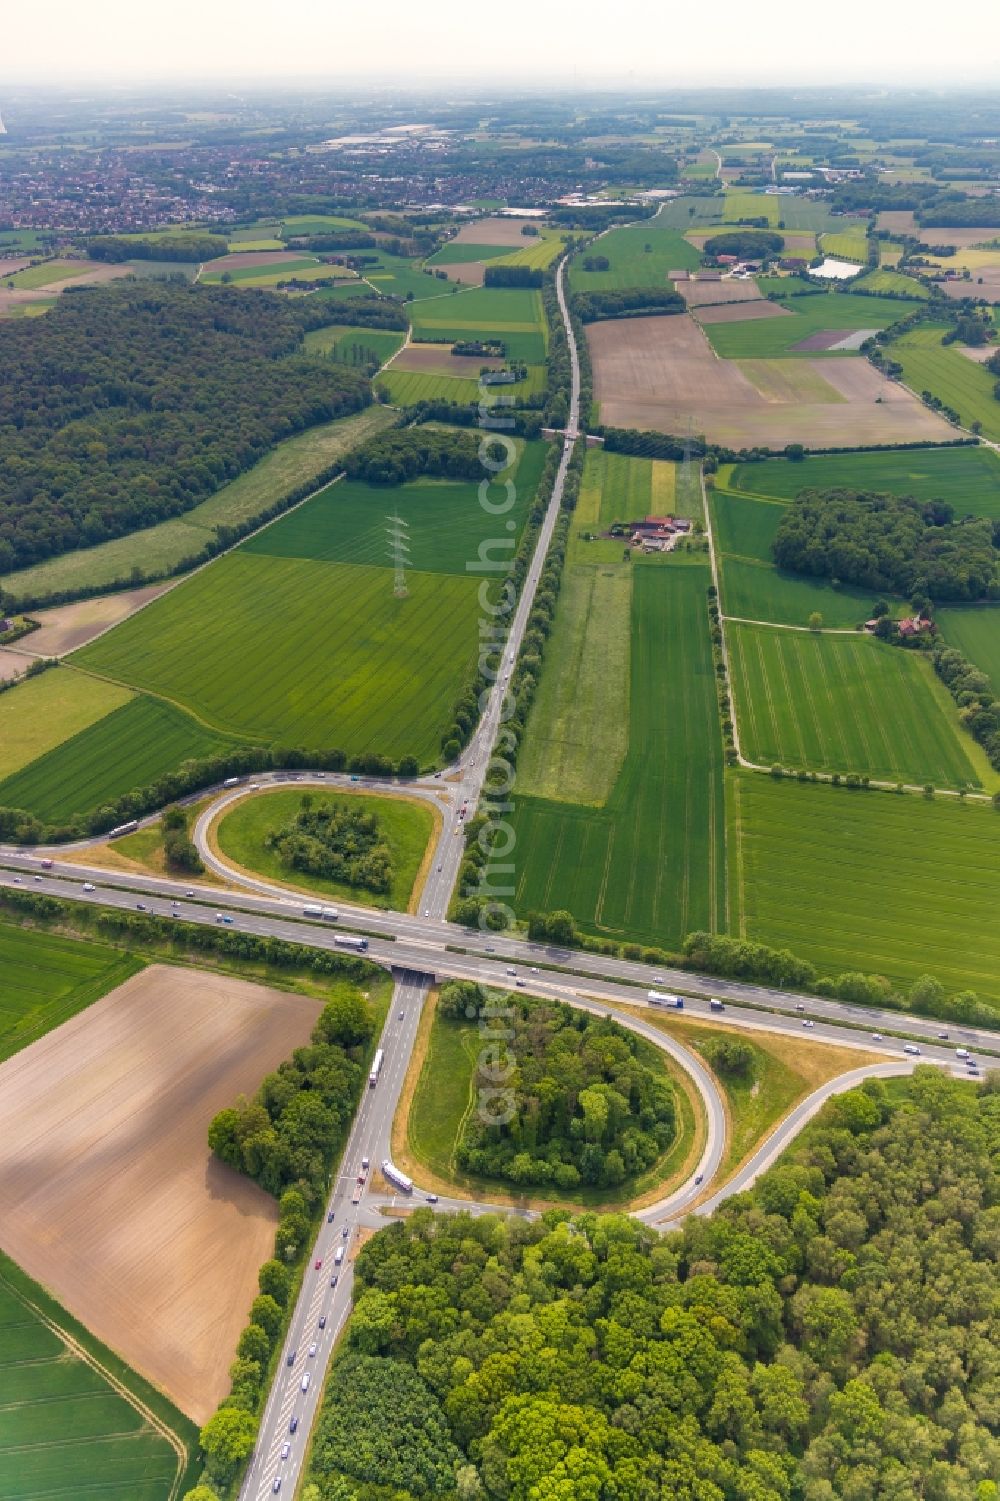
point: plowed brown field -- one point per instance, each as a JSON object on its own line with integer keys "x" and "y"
{"x": 108, "y": 1193}
{"x": 661, "y": 373}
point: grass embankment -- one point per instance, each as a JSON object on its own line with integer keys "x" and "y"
{"x": 783, "y": 1071}
{"x": 409, "y": 825}
{"x": 440, "y": 1091}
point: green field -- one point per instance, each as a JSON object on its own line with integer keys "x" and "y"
{"x": 43, "y": 711}
{"x": 509, "y": 313}
{"x": 753, "y": 589}
{"x": 744, "y": 203}
{"x": 844, "y": 704}
{"x": 885, "y": 280}
{"x": 641, "y": 255}
{"x": 968, "y": 477}
{"x": 689, "y": 212}
{"x": 269, "y": 272}
{"x": 48, "y": 273}
{"x": 128, "y": 748}
{"x": 407, "y": 387}
{"x": 649, "y": 864}
{"x": 159, "y": 549}
{"x": 771, "y": 338}
{"x": 950, "y": 375}
{"x": 975, "y": 631}
{"x": 396, "y": 276}
{"x": 461, "y": 254}
{"x": 845, "y": 244}
{"x": 309, "y": 653}
{"x": 407, "y": 826}
{"x": 892, "y": 885}
{"x": 66, "y": 1429}
{"x": 339, "y": 339}
{"x": 316, "y": 224}
{"x": 48, "y": 979}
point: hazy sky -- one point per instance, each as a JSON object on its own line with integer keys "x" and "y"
{"x": 729, "y": 41}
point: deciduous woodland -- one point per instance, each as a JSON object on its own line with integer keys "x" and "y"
{"x": 833, "y": 1334}
{"x": 129, "y": 404}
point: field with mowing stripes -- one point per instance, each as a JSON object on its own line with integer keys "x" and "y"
{"x": 967, "y": 477}
{"x": 950, "y": 375}
{"x": 312, "y": 654}
{"x": 128, "y": 748}
{"x": 975, "y": 631}
{"x": 844, "y": 703}
{"x": 867, "y": 880}
{"x": 407, "y": 387}
{"x": 65, "y": 1430}
{"x": 47, "y": 979}
{"x": 650, "y": 864}
{"x": 298, "y": 636}
{"x": 511, "y": 314}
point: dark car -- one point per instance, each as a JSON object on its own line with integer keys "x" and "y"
{"x": 329, "y": 1218}
{"x": 293, "y": 1423}
{"x": 291, "y": 1357}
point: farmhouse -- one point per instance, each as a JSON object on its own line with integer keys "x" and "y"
{"x": 656, "y": 533}
{"x": 914, "y": 625}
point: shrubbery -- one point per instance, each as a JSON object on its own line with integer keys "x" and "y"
{"x": 339, "y": 841}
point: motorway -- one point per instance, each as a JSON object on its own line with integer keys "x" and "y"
{"x": 419, "y": 948}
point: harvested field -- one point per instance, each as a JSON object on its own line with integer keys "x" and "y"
{"x": 897, "y": 221}
{"x": 788, "y": 381}
{"x": 66, "y": 627}
{"x": 700, "y": 293}
{"x": 13, "y": 663}
{"x": 495, "y": 231}
{"x": 18, "y": 263}
{"x": 834, "y": 339}
{"x": 439, "y": 359}
{"x": 980, "y": 356}
{"x": 108, "y": 1193}
{"x": 739, "y": 312}
{"x": 985, "y": 283}
{"x": 661, "y": 373}
{"x": 963, "y": 238}
{"x": 469, "y": 273}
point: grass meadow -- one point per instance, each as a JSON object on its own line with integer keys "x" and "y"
{"x": 406, "y": 824}
{"x": 461, "y": 254}
{"x": 159, "y": 549}
{"x": 950, "y": 375}
{"x": 65, "y": 1430}
{"x": 888, "y": 884}
{"x": 641, "y": 255}
{"x": 845, "y": 244}
{"x": 967, "y": 477}
{"x": 339, "y": 339}
{"x": 844, "y": 704}
{"x": 407, "y": 387}
{"x": 46, "y": 980}
{"x": 512, "y": 314}
{"x": 773, "y": 338}
{"x": 650, "y": 864}
{"x": 129, "y": 747}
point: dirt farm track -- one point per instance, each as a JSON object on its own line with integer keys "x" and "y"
{"x": 108, "y": 1193}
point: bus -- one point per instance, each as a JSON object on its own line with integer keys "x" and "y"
{"x": 329, "y": 913}
{"x": 394, "y": 1176}
{"x": 376, "y": 1069}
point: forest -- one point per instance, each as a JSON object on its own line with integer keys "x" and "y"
{"x": 404, "y": 453}
{"x": 888, "y": 542}
{"x": 589, "y": 1100}
{"x": 833, "y": 1334}
{"x": 337, "y": 841}
{"x": 128, "y": 404}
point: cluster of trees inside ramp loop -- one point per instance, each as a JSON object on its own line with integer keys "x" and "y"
{"x": 832, "y": 1336}
{"x": 128, "y": 404}
{"x": 337, "y": 841}
{"x": 590, "y": 1102}
{"x": 889, "y": 542}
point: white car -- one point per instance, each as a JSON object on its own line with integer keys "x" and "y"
{"x": 808, "y": 1023}
{"x": 286, "y": 1449}
{"x": 89, "y": 886}
{"x": 313, "y": 1348}
{"x": 876, "y": 1037}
